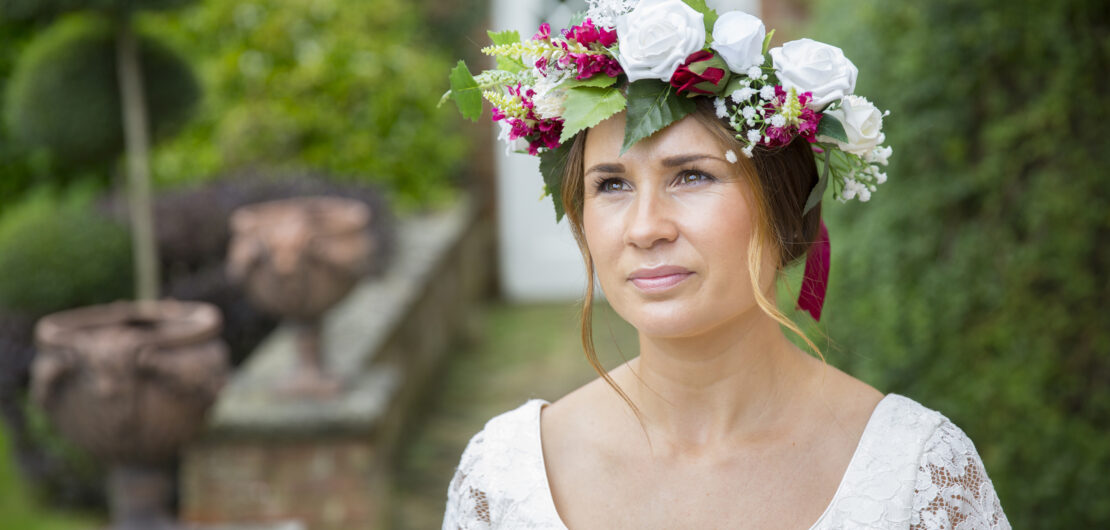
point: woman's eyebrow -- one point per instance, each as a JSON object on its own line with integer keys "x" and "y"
{"x": 606, "y": 168}
{"x": 685, "y": 159}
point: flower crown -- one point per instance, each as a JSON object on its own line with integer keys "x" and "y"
{"x": 651, "y": 60}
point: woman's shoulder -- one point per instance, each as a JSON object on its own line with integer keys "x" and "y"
{"x": 513, "y": 432}
{"x": 501, "y": 470}
{"x": 915, "y": 466}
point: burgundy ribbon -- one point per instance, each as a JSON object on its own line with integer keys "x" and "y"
{"x": 816, "y": 278}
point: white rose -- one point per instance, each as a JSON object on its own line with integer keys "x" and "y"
{"x": 810, "y": 66}
{"x": 863, "y": 124}
{"x": 738, "y": 39}
{"x": 657, "y": 37}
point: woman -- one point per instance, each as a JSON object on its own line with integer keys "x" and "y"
{"x": 720, "y": 422}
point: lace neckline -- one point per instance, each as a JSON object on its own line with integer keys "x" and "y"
{"x": 865, "y": 441}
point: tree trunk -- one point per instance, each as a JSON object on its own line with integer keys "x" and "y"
{"x": 136, "y": 135}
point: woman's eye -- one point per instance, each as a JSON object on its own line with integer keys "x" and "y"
{"x": 693, "y": 177}
{"x": 611, "y": 184}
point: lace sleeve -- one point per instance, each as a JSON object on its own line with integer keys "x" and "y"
{"x": 467, "y": 505}
{"x": 952, "y": 490}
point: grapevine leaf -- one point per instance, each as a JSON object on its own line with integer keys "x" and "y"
{"x": 552, "y": 165}
{"x": 501, "y": 38}
{"x": 831, "y": 127}
{"x": 508, "y": 36}
{"x": 465, "y": 92}
{"x": 652, "y": 105}
{"x": 588, "y": 106}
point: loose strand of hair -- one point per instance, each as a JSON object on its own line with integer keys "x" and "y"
{"x": 755, "y": 266}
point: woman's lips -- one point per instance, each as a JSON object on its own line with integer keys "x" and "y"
{"x": 658, "y": 279}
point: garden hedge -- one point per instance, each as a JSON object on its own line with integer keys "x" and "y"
{"x": 976, "y": 280}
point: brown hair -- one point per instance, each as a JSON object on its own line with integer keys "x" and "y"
{"x": 781, "y": 184}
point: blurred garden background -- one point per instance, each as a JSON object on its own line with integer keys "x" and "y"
{"x": 977, "y": 280}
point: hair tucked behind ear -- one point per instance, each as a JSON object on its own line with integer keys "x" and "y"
{"x": 780, "y": 185}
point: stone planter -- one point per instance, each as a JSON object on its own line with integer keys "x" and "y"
{"x": 131, "y": 384}
{"x": 296, "y": 258}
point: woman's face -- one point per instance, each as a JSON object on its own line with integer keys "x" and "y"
{"x": 668, "y": 224}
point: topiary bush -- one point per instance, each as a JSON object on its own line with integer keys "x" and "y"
{"x": 347, "y": 88}
{"x": 57, "y": 254}
{"x": 976, "y": 279}
{"x": 64, "y": 95}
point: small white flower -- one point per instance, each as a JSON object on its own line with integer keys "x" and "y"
{"x": 778, "y": 120}
{"x": 719, "y": 104}
{"x": 730, "y": 155}
{"x": 604, "y": 13}
{"x": 881, "y": 154}
{"x": 748, "y": 112}
{"x": 753, "y": 136}
{"x": 750, "y": 123}
{"x": 743, "y": 94}
{"x": 767, "y": 93}
{"x": 754, "y": 72}
{"x": 880, "y": 177}
{"x": 864, "y": 194}
{"x": 748, "y": 151}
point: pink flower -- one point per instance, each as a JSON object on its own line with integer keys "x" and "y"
{"x": 803, "y": 124}
{"x": 537, "y": 131}
{"x": 544, "y": 33}
{"x": 586, "y": 34}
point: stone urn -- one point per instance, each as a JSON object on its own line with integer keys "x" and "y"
{"x": 296, "y": 258}
{"x": 130, "y": 382}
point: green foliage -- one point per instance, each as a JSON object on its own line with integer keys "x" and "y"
{"x": 465, "y": 92}
{"x": 976, "y": 279}
{"x": 64, "y": 94}
{"x": 652, "y": 105}
{"x": 553, "y": 163}
{"x": 58, "y": 254}
{"x": 24, "y": 9}
{"x": 589, "y": 106}
{"x": 349, "y": 88}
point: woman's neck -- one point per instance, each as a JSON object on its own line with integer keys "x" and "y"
{"x": 731, "y": 384}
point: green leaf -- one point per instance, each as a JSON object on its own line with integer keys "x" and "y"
{"x": 831, "y": 127}
{"x": 652, "y": 105}
{"x": 767, "y": 41}
{"x": 465, "y": 92}
{"x": 598, "y": 80}
{"x": 819, "y": 188}
{"x": 509, "y": 36}
{"x": 499, "y": 38}
{"x": 553, "y": 164}
{"x": 588, "y": 106}
{"x": 708, "y": 15}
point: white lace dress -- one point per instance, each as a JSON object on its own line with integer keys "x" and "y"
{"x": 912, "y": 469}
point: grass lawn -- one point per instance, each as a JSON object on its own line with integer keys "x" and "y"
{"x": 19, "y": 509}
{"x": 530, "y": 351}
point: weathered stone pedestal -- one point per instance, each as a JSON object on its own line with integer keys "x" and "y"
{"x": 326, "y": 462}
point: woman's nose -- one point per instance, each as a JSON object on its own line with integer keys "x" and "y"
{"x": 650, "y": 220}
